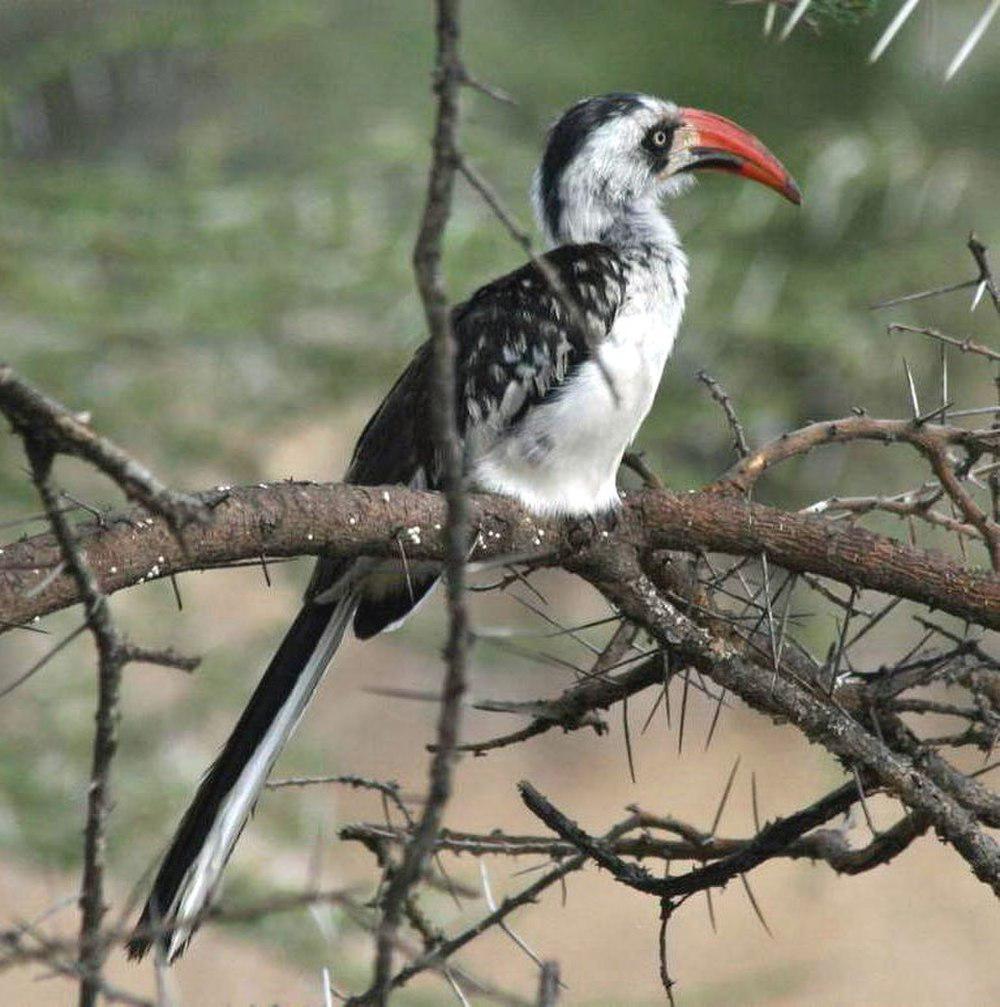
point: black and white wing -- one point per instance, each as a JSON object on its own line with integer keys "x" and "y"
{"x": 517, "y": 345}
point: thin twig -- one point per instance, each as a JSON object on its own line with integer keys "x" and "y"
{"x": 34, "y": 415}
{"x": 448, "y": 78}
{"x": 720, "y": 395}
{"x": 112, "y": 656}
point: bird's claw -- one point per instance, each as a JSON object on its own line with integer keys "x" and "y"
{"x": 584, "y": 531}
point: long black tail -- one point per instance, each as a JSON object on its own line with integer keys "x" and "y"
{"x": 193, "y": 866}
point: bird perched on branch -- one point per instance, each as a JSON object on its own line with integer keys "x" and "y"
{"x": 557, "y": 366}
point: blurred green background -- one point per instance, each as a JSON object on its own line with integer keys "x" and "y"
{"x": 206, "y": 215}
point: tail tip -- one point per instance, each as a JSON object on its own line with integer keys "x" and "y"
{"x": 137, "y": 948}
{"x": 139, "y": 945}
{"x": 152, "y": 930}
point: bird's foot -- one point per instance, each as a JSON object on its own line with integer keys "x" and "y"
{"x": 585, "y": 531}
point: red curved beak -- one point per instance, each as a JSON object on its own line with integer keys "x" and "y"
{"x": 714, "y": 143}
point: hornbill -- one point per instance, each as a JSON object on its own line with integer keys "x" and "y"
{"x": 552, "y": 383}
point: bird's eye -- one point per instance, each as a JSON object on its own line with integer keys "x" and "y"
{"x": 657, "y": 140}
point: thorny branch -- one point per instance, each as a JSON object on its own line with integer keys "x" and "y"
{"x": 933, "y": 441}
{"x": 58, "y": 431}
{"x": 449, "y": 76}
{"x": 113, "y": 653}
{"x": 827, "y": 845}
{"x": 720, "y": 395}
{"x": 623, "y": 581}
{"x": 723, "y": 860}
{"x": 727, "y": 628}
{"x": 296, "y": 519}
{"x": 110, "y": 660}
{"x": 856, "y": 719}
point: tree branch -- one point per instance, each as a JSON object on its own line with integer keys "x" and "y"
{"x": 112, "y": 656}
{"x": 621, "y": 580}
{"x": 449, "y": 75}
{"x": 34, "y": 415}
{"x": 294, "y": 519}
{"x": 825, "y": 845}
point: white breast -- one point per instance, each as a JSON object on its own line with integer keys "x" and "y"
{"x": 564, "y": 456}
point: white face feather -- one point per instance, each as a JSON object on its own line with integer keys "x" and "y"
{"x": 611, "y": 176}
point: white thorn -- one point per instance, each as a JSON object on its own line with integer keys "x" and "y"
{"x": 491, "y": 902}
{"x": 981, "y": 289}
{"x": 914, "y": 401}
{"x": 794, "y": 18}
{"x": 973, "y": 40}
{"x": 902, "y": 16}
{"x": 769, "y": 15}
{"x": 462, "y": 999}
{"x": 327, "y": 992}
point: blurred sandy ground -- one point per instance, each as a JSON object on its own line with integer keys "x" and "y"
{"x": 921, "y": 932}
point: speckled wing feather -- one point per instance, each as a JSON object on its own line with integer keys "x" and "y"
{"x": 517, "y": 344}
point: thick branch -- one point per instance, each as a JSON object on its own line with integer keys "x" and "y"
{"x": 292, "y": 519}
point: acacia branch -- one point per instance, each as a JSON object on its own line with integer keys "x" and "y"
{"x": 449, "y": 76}
{"x": 35, "y": 416}
{"x": 111, "y": 659}
{"x": 434, "y": 956}
{"x": 294, "y": 519}
{"x": 925, "y": 437}
{"x": 576, "y": 706}
{"x": 727, "y": 859}
{"x": 986, "y": 279}
{"x": 856, "y": 720}
{"x": 622, "y": 581}
{"x": 740, "y": 444}
{"x": 828, "y": 846}
{"x": 965, "y": 345}
{"x": 931, "y": 440}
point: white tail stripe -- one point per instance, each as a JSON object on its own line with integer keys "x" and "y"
{"x": 203, "y": 875}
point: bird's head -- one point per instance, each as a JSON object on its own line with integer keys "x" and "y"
{"x": 615, "y": 156}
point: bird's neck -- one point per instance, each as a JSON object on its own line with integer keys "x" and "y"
{"x": 635, "y": 228}
{"x": 644, "y": 238}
